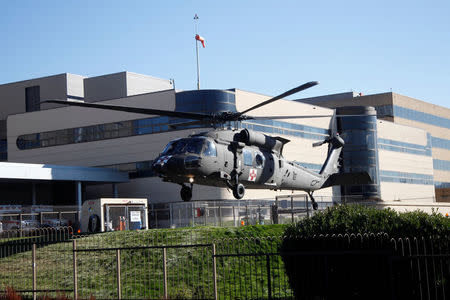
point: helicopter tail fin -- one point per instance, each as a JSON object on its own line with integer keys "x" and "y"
{"x": 331, "y": 164}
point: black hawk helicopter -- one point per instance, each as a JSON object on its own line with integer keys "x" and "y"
{"x": 239, "y": 158}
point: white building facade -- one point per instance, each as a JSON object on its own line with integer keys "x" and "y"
{"x": 398, "y": 157}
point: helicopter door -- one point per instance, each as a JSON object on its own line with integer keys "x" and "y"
{"x": 278, "y": 164}
{"x": 210, "y": 156}
{"x": 249, "y": 172}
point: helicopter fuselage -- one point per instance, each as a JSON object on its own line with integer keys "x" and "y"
{"x": 239, "y": 159}
{"x": 223, "y": 157}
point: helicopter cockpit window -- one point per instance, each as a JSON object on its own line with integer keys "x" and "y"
{"x": 248, "y": 157}
{"x": 194, "y": 146}
{"x": 210, "y": 149}
{"x": 259, "y": 160}
{"x": 169, "y": 148}
{"x": 184, "y": 146}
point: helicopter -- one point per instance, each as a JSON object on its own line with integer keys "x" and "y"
{"x": 238, "y": 158}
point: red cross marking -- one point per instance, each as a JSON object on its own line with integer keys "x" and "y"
{"x": 252, "y": 175}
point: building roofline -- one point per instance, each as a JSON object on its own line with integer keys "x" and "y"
{"x": 68, "y": 107}
{"x": 420, "y": 101}
{"x": 46, "y": 172}
{"x": 40, "y": 78}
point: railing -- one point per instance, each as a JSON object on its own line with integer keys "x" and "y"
{"x": 33, "y": 261}
{"x": 368, "y": 267}
{"x": 227, "y": 213}
{"x": 26, "y": 219}
{"x": 193, "y": 264}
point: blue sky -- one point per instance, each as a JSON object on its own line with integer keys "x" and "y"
{"x": 260, "y": 46}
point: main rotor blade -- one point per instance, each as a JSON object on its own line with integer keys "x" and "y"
{"x": 299, "y": 117}
{"x": 198, "y": 122}
{"x": 137, "y": 110}
{"x": 286, "y": 117}
{"x": 285, "y": 94}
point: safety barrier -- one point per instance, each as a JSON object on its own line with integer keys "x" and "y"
{"x": 192, "y": 264}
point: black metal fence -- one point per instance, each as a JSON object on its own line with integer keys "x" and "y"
{"x": 368, "y": 267}
{"x": 192, "y": 264}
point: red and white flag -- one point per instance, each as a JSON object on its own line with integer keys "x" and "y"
{"x": 201, "y": 39}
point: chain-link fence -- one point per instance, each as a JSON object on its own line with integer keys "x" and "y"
{"x": 226, "y": 213}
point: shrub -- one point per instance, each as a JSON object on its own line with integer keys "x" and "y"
{"x": 348, "y": 219}
{"x": 358, "y": 252}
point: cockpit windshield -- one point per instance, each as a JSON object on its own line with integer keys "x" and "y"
{"x": 191, "y": 145}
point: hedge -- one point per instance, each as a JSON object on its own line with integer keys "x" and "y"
{"x": 353, "y": 219}
{"x": 358, "y": 252}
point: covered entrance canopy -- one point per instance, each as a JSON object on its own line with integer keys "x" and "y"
{"x": 42, "y": 184}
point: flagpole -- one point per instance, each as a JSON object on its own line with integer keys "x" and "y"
{"x": 196, "y": 51}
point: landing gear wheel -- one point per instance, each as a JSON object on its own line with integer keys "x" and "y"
{"x": 186, "y": 193}
{"x": 238, "y": 191}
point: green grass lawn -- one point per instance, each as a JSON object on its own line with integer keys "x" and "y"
{"x": 189, "y": 269}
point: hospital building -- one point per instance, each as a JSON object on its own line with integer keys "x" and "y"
{"x": 53, "y": 154}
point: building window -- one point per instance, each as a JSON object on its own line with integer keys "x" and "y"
{"x": 3, "y": 150}
{"x": 33, "y": 98}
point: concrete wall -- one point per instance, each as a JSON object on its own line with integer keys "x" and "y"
{"x": 405, "y": 163}
{"x": 434, "y": 130}
{"x": 442, "y": 208}
{"x": 405, "y": 101}
{"x": 146, "y": 147}
{"x": 394, "y": 99}
{"x": 12, "y": 95}
{"x": 105, "y": 87}
{"x": 83, "y": 154}
{"x": 141, "y": 84}
{"x": 349, "y": 99}
{"x": 120, "y": 85}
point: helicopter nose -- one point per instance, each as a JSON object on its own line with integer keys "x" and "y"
{"x": 168, "y": 164}
{"x": 160, "y": 164}
{"x": 174, "y": 164}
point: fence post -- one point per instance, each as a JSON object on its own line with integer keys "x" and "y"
{"x": 75, "y": 270}
{"x": 119, "y": 287}
{"x": 234, "y": 217}
{"x": 33, "y": 266}
{"x": 20, "y": 225}
{"x": 220, "y": 216}
{"x": 165, "y": 272}
{"x": 246, "y": 215}
{"x": 155, "y": 213}
{"x": 214, "y": 270}
{"x": 215, "y": 214}
{"x": 269, "y": 282}
{"x": 170, "y": 214}
{"x": 193, "y": 214}
{"x": 292, "y": 209}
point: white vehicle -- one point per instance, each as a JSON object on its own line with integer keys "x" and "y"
{"x": 114, "y": 214}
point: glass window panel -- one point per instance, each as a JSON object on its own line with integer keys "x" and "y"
{"x": 210, "y": 149}
{"x": 248, "y": 157}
